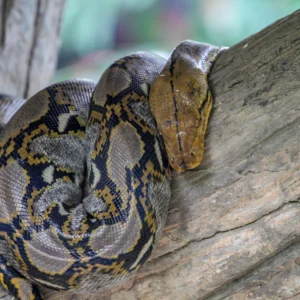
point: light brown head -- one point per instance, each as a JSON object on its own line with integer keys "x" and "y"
{"x": 181, "y": 102}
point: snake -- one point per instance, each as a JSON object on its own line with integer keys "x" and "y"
{"x": 85, "y": 169}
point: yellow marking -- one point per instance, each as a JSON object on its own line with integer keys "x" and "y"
{"x": 16, "y": 281}
{"x": 2, "y": 279}
{"x": 36, "y": 219}
{"x": 42, "y": 129}
{"x": 151, "y": 220}
{"x": 66, "y": 170}
{"x": 4, "y": 221}
{"x": 74, "y": 236}
{"x": 10, "y": 148}
{"x": 119, "y": 268}
{"x": 67, "y": 179}
{"x": 81, "y": 121}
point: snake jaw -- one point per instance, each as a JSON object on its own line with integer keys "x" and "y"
{"x": 187, "y": 160}
{"x": 181, "y": 101}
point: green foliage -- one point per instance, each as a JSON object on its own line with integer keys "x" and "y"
{"x": 159, "y": 25}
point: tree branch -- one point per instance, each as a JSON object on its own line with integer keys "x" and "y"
{"x": 29, "y": 44}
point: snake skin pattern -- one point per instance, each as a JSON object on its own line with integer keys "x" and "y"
{"x": 84, "y": 174}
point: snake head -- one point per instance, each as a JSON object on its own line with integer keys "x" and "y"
{"x": 181, "y": 111}
{"x": 180, "y": 101}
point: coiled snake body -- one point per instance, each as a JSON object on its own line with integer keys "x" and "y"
{"x": 84, "y": 170}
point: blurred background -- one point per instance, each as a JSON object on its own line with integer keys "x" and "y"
{"x": 95, "y": 32}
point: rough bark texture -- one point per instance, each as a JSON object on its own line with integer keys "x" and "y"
{"x": 233, "y": 230}
{"x": 29, "y": 43}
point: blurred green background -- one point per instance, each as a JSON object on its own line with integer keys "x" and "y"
{"x": 96, "y": 32}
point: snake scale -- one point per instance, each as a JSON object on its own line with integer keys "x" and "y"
{"x": 85, "y": 170}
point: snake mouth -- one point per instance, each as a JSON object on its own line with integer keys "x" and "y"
{"x": 186, "y": 155}
{"x": 185, "y": 161}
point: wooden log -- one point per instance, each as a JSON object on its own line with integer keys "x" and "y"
{"x": 29, "y": 44}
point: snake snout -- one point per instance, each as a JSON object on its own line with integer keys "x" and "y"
{"x": 186, "y": 161}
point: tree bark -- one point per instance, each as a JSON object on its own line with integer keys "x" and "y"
{"x": 29, "y": 44}
{"x": 233, "y": 230}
